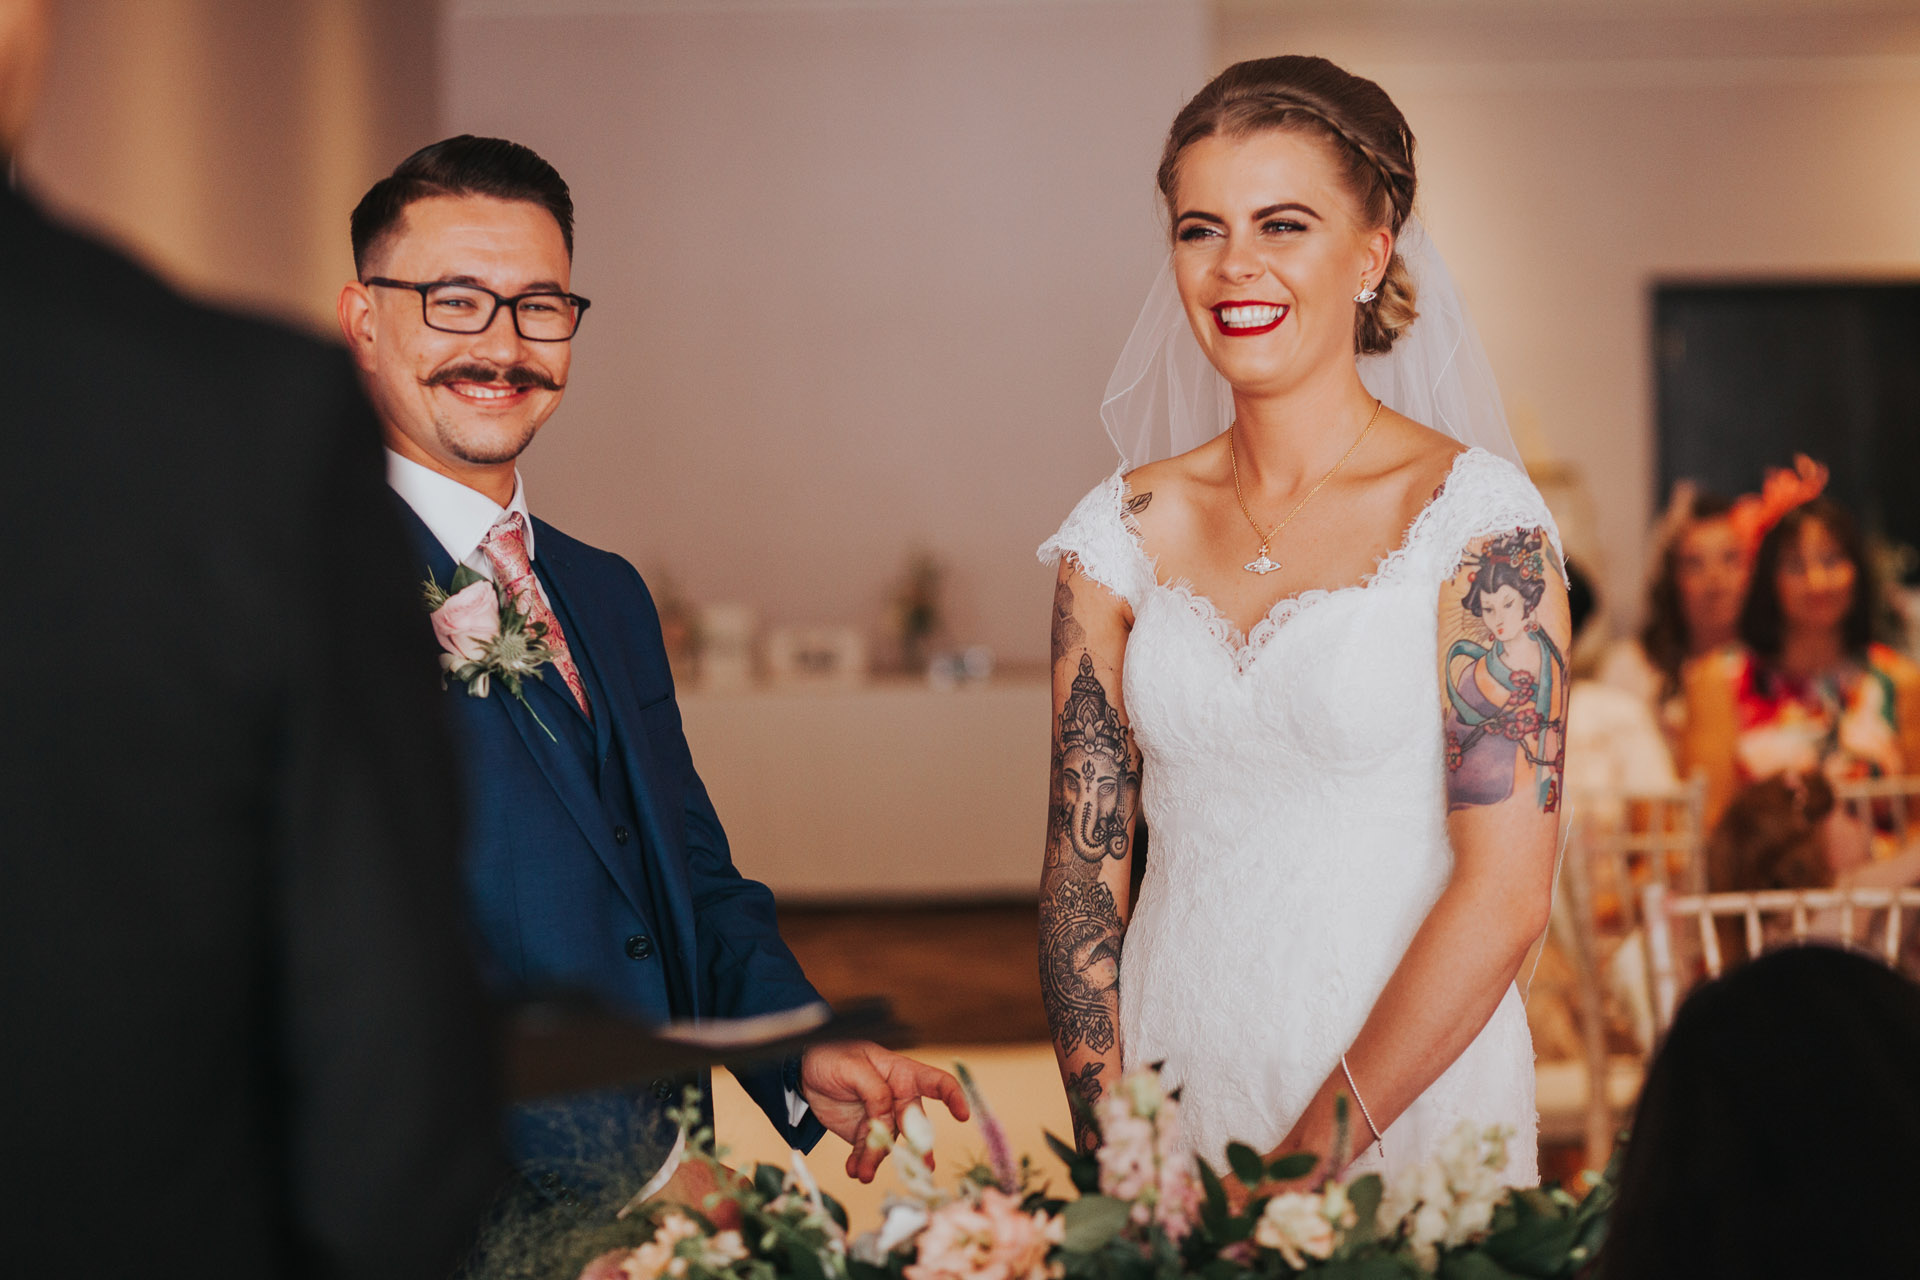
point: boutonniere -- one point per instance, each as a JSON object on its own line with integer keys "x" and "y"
{"x": 486, "y": 638}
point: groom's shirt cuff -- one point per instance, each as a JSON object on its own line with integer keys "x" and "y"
{"x": 796, "y": 1108}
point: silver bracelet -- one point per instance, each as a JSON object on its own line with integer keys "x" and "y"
{"x": 1367, "y": 1115}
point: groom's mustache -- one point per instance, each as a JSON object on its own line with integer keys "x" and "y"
{"x": 514, "y": 375}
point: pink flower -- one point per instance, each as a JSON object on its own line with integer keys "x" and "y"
{"x": 990, "y": 1240}
{"x": 1127, "y": 1158}
{"x": 468, "y": 621}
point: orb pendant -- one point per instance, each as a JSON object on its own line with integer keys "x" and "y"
{"x": 1262, "y": 565}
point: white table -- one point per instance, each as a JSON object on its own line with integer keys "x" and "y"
{"x": 888, "y": 791}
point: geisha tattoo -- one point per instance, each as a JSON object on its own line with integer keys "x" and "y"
{"x": 1506, "y": 678}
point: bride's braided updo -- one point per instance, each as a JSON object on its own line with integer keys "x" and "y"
{"x": 1367, "y": 130}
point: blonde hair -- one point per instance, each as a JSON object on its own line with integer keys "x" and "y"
{"x": 1314, "y": 95}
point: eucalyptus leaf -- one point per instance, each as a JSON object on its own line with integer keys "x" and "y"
{"x": 1092, "y": 1221}
{"x": 1473, "y": 1266}
{"x": 1535, "y": 1246}
{"x": 1216, "y": 1193}
{"x": 1365, "y": 1194}
{"x": 768, "y": 1180}
{"x": 804, "y": 1261}
{"x": 1245, "y": 1162}
{"x": 1068, "y": 1156}
{"x": 1297, "y": 1165}
{"x": 1378, "y": 1267}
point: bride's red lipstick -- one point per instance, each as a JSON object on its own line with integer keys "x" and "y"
{"x": 1247, "y": 317}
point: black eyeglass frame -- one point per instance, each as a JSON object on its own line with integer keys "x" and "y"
{"x": 578, "y": 303}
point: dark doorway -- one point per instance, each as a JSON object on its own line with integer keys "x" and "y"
{"x": 1751, "y": 374}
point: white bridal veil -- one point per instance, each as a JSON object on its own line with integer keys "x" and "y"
{"x": 1165, "y": 398}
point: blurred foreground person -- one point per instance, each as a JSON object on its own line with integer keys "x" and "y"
{"x": 242, "y": 1038}
{"x": 1776, "y": 1132}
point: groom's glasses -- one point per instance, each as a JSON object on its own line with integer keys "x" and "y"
{"x": 468, "y": 308}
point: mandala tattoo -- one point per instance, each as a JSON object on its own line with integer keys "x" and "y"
{"x": 1080, "y": 963}
{"x": 1097, "y": 779}
{"x": 1068, "y": 634}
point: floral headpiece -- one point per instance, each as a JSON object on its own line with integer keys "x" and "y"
{"x": 1523, "y": 549}
{"x": 1754, "y": 514}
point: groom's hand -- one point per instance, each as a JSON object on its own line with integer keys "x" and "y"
{"x": 851, "y": 1083}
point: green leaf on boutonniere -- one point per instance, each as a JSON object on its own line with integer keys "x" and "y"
{"x": 1092, "y": 1221}
{"x": 463, "y": 577}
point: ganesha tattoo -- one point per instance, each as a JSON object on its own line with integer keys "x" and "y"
{"x": 1098, "y": 780}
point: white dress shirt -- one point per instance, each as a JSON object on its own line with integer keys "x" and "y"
{"x": 459, "y": 518}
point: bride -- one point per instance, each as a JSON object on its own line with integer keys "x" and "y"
{"x": 1314, "y": 645}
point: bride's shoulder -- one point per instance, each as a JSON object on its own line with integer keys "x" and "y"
{"x": 1160, "y": 497}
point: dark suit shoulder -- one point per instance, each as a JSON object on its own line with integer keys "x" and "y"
{"x": 569, "y": 552}
{"x": 72, "y": 272}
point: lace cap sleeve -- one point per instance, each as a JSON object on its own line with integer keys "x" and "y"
{"x": 1484, "y": 494}
{"x": 1096, "y": 535}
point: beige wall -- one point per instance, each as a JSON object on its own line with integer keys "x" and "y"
{"x": 859, "y": 275}
{"x": 1567, "y": 164}
{"x": 225, "y": 141}
{"x": 861, "y": 266}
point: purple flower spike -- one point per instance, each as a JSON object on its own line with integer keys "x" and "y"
{"x": 999, "y": 1154}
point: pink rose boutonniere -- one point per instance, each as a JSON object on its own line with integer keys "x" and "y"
{"x": 486, "y": 638}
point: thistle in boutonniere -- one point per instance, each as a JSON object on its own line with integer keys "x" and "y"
{"x": 486, "y": 637}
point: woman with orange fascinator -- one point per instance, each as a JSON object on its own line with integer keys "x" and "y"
{"x": 1810, "y": 690}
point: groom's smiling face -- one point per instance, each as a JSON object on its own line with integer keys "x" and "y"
{"x": 464, "y": 404}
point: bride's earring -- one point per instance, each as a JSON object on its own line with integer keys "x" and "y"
{"x": 1366, "y": 294}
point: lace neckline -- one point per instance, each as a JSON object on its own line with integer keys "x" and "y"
{"x": 1243, "y": 649}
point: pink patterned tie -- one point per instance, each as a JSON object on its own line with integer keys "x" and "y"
{"x": 506, "y": 548}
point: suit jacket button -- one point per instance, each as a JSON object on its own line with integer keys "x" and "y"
{"x": 663, "y": 1090}
{"x": 621, "y": 835}
{"x": 639, "y": 946}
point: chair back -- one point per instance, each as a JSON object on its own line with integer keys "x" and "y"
{"x": 1613, "y": 849}
{"x": 1890, "y": 805}
{"x": 1828, "y": 915}
{"x": 1641, "y": 839}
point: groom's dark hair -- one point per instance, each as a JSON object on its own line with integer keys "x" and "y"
{"x": 462, "y": 166}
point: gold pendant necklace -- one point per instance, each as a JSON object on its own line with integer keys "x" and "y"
{"x": 1262, "y": 564}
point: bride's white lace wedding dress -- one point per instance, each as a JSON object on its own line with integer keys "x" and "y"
{"x": 1294, "y": 786}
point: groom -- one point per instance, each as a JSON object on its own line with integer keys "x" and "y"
{"x": 595, "y": 860}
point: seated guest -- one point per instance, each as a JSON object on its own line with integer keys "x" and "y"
{"x": 1693, "y": 603}
{"x": 1614, "y": 743}
{"x": 1785, "y": 832}
{"x": 1776, "y": 1132}
{"x": 1812, "y": 692}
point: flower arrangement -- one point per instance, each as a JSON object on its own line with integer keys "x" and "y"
{"x": 1140, "y": 1210}
{"x": 486, "y": 637}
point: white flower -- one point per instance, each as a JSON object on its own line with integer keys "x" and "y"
{"x": 1449, "y": 1201}
{"x": 1293, "y": 1225}
{"x": 917, "y": 1130}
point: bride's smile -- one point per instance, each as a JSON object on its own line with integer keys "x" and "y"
{"x": 1267, "y": 248}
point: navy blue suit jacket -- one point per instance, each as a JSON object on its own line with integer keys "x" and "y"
{"x": 594, "y": 858}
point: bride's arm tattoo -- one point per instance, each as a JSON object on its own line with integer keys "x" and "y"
{"x": 1090, "y": 831}
{"x": 1505, "y": 633}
